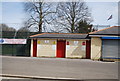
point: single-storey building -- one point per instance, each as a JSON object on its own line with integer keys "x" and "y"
{"x": 60, "y": 45}
{"x": 102, "y": 44}
{"x": 105, "y": 43}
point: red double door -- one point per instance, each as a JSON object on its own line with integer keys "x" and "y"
{"x": 61, "y": 48}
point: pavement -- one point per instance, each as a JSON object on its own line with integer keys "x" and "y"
{"x": 58, "y": 68}
{"x": 21, "y": 79}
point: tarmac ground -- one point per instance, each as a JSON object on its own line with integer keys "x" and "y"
{"x": 56, "y": 69}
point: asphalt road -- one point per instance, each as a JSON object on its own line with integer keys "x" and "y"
{"x": 59, "y": 68}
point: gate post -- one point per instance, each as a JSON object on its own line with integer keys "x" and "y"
{"x": 88, "y": 49}
{"x": 34, "y": 47}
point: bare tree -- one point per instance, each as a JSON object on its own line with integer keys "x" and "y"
{"x": 24, "y": 29}
{"x": 39, "y": 14}
{"x": 69, "y": 14}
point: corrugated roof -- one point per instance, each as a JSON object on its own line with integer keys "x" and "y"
{"x": 60, "y": 36}
{"x": 114, "y": 30}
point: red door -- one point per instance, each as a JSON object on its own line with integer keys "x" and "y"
{"x": 61, "y": 48}
{"x": 34, "y": 48}
{"x": 88, "y": 48}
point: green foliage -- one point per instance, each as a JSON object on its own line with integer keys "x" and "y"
{"x": 19, "y": 35}
{"x": 4, "y": 27}
{"x": 83, "y": 27}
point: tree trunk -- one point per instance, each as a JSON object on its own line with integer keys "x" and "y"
{"x": 40, "y": 27}
{"x": 40, "y": 15}
{"x": 72, "y": 28}
{"x": 72, "y": 25}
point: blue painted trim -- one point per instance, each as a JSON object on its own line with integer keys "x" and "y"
{"x": 110, "y": 37}
{"x": 110, "y": 58}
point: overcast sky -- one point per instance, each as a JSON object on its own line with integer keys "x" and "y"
{"x": 13, "y": 15}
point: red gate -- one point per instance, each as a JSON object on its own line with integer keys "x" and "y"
{"x": 88, "y": 48}
{"x": 34, "y": 48}
{"x": 61, "y": 48}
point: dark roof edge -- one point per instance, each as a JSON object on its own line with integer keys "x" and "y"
{"x": 55, "y": 38}
{"x": 59, "y": 33}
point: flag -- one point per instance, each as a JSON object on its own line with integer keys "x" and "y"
{"x": 110, "y": 17}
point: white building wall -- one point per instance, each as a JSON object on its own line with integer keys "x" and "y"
{"x": 75, "y": 49}
{"x": 96, "y": 44}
